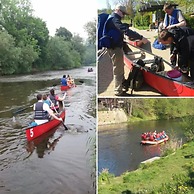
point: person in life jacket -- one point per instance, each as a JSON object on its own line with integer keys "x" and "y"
{"x": 173, "y": 17}
{"x": 64, "y": 80}
{"x": 43, "y": 113}
{"x": 55, "y": 100}
{"x": 183, "y": 40}
{"x": 116, "y": 29}
{"x": 70, "y": 81}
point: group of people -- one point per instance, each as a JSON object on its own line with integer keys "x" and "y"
{"x": 67, "y": 80}
{"x": 173, "y": 32}
{"x": 153, "y": 136}
{"x": 46, "y": 107}
{"x": 180, "y": 38}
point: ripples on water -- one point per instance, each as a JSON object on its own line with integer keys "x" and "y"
{"x": 58, "y": 162}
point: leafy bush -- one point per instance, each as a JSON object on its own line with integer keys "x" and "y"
{"x": 105, "y": 176}
{"x": 190, "y": 21}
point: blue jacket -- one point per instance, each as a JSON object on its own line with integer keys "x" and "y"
{"x": 64, "y": 81}
{"x": 121, "y": 30}
{"x": 173, "y": 19}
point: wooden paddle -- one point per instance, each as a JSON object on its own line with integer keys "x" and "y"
{"x": 19, "y": 110}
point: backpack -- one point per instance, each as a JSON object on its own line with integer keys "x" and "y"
{"x": 106, "y": 38}
{"x": 135, "y": 78}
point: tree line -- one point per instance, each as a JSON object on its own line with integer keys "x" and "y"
{"x": 160, "y": 108}
{"x": 143, "y": 19}
{"x": 25, "y": 44}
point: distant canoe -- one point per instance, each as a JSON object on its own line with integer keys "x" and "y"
{"x": 90, "y": 69}
{"x": 155, "y": 142}
{"x": 64, "y": 88}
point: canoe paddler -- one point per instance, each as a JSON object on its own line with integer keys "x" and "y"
{"x": 43, "y": 113}
{"x": 55, "y": 100}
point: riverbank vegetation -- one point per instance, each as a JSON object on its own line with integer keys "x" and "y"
{"x": 150, "y": 108}
{"x": 26, "y": 46}
{"x": 174, "y": 172}
{"x": 141, "y": 17}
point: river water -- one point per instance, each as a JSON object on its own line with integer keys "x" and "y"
{"x": 60, "y": 162}
{"x": 119, "y": 148}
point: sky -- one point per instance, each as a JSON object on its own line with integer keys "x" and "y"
{"x": 103, "y": 4}
{"x": 71, "y": 14}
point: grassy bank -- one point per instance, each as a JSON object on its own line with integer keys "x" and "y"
{"x": 171, "y": 174}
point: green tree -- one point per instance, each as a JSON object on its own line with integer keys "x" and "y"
{"x": 16, "y": 18}
{"x": 64, "y": 33}
{"x": 27, "y": 56}
{"x": 37, "y": 29}
{"x": 9, "y": 54}
{"x": 60, "y": 54}
{"x": 78, "y": 45}
{"x": 90, "y": 55}
{"x": 90, "y": 28}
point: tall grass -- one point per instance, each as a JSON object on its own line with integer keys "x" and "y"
{"x": 171, "y": 146}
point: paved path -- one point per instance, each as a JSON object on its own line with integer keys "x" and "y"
{"x": 105, "y": 74}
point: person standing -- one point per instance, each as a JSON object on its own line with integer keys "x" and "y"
{"x": 161, "y": 25}
{"x": 118, "y": 30}
{"x": 183, "y": 40}
{"x": 173, "y": 17}
{"x": 43, "y": 113}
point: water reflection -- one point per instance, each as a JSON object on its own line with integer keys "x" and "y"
{"x": 44, "y": 144}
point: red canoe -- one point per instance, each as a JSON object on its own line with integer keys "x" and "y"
{"x": 64, "y": 88}
{"x": 147, "y": 142}
{"x": 36, "y": 131}
{"x": 158, "y": 80}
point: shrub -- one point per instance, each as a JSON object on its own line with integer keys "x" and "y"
{"x": 105, "y": 176}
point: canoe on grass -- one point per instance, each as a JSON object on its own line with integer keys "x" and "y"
{"x": 154, "y": 73}
{"x": 36, "y": 131}
{"x": 155, "y": 142}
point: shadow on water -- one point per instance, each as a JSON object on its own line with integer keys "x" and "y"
{"x": 58, "y": 162}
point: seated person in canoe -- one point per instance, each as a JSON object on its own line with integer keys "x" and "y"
{"x": 70, "y": 81}
{"x": 55, "y": 100}
{"x": 46, "y": 100}
{"x": 153, "y": 136}
{"x": 64, "y": 80}
{"x": 43, "y": 113}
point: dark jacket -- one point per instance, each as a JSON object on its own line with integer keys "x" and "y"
{"x": 184, "y": 44}
{"x": 40, "y": 114}
{"x": 123, "y": 29}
